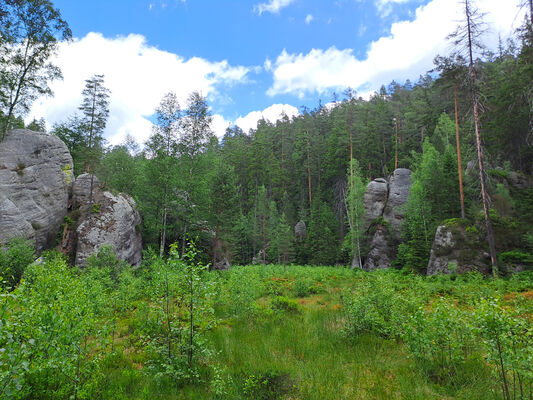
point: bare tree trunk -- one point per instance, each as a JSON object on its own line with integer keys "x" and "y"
{"x": 396, "y": 145}
{"x": 163, "y": 233}
{"x": 459, "y": 165}
{"x": 309, "y": 174}
{"x": 475, "y": 101}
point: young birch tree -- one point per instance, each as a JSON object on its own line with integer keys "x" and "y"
{"x": 355, "y": 211}
{"x": 30, "y": 32}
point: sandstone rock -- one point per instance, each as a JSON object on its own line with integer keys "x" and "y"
{"x": 453, "y": 252}
{"x": 399, "y": 186}
{"x": 111, "y": 220}
{"x": 519, "y": 180}
{"x": 378, "y": 257}
{"x": 300, "y": 231}
{"x": 374, "y": 200}
{"x": 82, "y": 189}
{"x": 35, "y": 179}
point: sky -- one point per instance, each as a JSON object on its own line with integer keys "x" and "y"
{"x": 252, "y": 59}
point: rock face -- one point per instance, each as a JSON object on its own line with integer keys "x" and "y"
{"x": 35, "y": 179}
{"x": 385, "y": 200}
{"x": 374, "y": 200}
{"x": 82, "y": 189}
{"x": 378, "y": 257}
{"x": 399, "y": 186}
{"x": 454, "y": 252}
{"x": 111, "y": 220}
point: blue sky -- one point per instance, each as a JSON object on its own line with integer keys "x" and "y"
{"x": 251, "y": 58}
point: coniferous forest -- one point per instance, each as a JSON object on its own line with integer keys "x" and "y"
{"x": 254, "y": 282}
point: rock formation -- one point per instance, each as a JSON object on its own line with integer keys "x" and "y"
{"x": 109, "y": 219}
{"x": 374, "y": 200}
{"x": 399, "y": 186}
{"x": 35, "y": 179}
{"x": 454, "y": 250}
{"x": 384, "y": 211}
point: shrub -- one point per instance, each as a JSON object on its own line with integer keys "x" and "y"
{"x": 284, "y": 304}
{"x": 267, "y": 386}
{"x": 14, "y": 260}
{"x": 441, "y": 340}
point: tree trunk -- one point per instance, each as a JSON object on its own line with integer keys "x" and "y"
{"x": 163, "y": 233}
{"x": 396, "y": 145}
{"x": 475, "y": 102}
{"x": 459, "y": 166}
{"x": 309, "y": 174}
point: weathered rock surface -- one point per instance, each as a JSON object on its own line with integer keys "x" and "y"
{"x": 453, "y": 252}
{"x": 110, "y": 220}
{"x": 399, "y": 186}
{"x": 387, "y": 201}
{"x": 82, "y": 188}
{"x": 378, "y": 257}
{"x": 35, "y": 178}
{"x": 374, "y": 200}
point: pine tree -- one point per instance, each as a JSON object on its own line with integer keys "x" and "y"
{"x": 95, "y": 111}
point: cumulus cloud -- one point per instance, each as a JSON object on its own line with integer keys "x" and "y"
{"x": 270, "y": 114}
{"x": 273, "y": 6}
{"x": 138, "y": 76}
{"x": 406, "y": 53}
{"x": 308, "y": 19}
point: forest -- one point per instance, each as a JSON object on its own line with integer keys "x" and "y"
{"x": 295, "y": 316}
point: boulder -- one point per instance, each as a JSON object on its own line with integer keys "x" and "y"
{"x": 378, "y": 257}
{"x": 110, "y": 219}
{"x": 82, "y": 188}
{"x": 374, "y": 200}
{"x": 454, "y": 251}
{"x": 35, "y": 180}
{"x": 399, "y": 186}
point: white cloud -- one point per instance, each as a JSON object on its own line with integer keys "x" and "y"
{"x": 406, "y": 53}
{"x": 273, "y": 6}
{"x": 308, "y": 19}
{"x": 271, "y": 114}
{"x": 138, "y": 76}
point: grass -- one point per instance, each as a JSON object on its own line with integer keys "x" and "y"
{"x": 284, "y": 333}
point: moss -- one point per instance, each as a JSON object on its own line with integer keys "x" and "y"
{"x": 36, "y": 226}
{"x": 20, "y": 168}
{"x": 96, "y": 208}
{"x": 67, "y": 169}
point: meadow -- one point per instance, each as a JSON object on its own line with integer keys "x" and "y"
{"x": 172, "y": 329}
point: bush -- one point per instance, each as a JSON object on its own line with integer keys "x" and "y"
{"x": 267, "y": 386}
{"x": 284, "y": 304}
{"x": 14, "y": 260}
{"x": 441, "y": 340}
{"x": 378, "y": 306}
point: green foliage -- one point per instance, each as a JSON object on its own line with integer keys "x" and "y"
{"x": 267, "y": 386}
{"x": 28, "y": 39}
{"x": 14, "y": 259}
{"x": 517, "y": 257}
{"x": 442, "y": 341}
{"x": 283, "y": 303}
